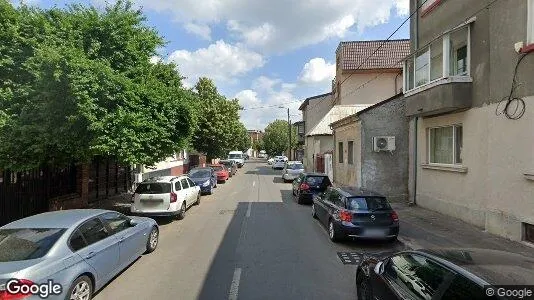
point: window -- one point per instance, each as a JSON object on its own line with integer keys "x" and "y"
{"x": 463, "y": 288}
{"x": 368, "y": 203}
{"x": 528, "y": 230}
{"x": 177, "y": 186}
{"x": 116, "y": 222}
{"x": 185, "y": 184}
{"x": 191, "y": 183}
{"x": 430, "y": 64}
{"x": 93, "y": 231}
{"x": 153, "y": 188}
{"x": 27, "y": 243}
{"x": 77, "y": 241}
{"x": 350, "y": 155}
{"x": 416, "y": 275}
{"x": 340, "y": 152}
{"x": 445, "y": 145}
{"x": 334, "y": 197}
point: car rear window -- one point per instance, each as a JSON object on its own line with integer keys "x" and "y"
{"x": 27, "y": 243}
{"x": 235, "y": 156}
{"x": 199, "y": 173}
{"x": 296, "y": 167}
{"x": 318, "y": 180}
{"x": 368, "y": 203}
{"x": 153, "y": 188}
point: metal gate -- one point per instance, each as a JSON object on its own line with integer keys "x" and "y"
{"x": 319, "y": 163}
{"x": 107, "y": 178}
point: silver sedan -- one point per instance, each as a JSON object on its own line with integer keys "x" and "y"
{"x": 292, "y": 170}
{"x": 70, "y": 254}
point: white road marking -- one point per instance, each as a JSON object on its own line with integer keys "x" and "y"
{"x": 249, "y": 208}
{"x": 234, "y": 288}
{"x": 254, "y": 183}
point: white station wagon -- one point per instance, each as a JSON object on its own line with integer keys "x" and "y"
{"x": 165, "y": 196}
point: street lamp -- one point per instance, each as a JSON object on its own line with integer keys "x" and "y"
{"x": 289, "y": 130}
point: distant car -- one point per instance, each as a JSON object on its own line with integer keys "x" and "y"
{"x": 205, "y": 178}
{"x": 262, "y": 154}
{"x": 238, "y": 157}
{"x": 270, "y": 161}
{"x": 230, "y": 165}
{"x": 306, "y": 185}
{"x": 279, "y": 164}
{"x": 460, "y": 274}
{"x": 285, "y": 158}
{"x": 221, "y": 171}
{"x": 165, "y": 196}
{"x": 355, "y": 213}
{"x": 292, "y": 170}
{"x": 80, "y": 249}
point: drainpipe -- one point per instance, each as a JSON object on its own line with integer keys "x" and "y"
{"x": 416, "y": 46}
{"x": 396, "y": 83}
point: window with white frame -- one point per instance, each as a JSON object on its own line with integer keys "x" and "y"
{"x": 445, "y": 145}
{"x": 530, "y": 22}
{"x": 430, "y": 64}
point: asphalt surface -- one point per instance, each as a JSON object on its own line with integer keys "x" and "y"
{"x": 249, "y": 240}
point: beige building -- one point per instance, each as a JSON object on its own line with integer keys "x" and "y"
{"x": 474, "y": 158}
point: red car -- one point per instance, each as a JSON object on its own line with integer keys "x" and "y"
{"x": 222, "y": 172}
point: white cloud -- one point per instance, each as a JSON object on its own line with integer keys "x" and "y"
{"x": 202, "y": 30}
{"x": 155, "y": 59}
{"x": 317, "y": 70}
{"x": 220, "y": 61}
{"x": 281, "y": 25}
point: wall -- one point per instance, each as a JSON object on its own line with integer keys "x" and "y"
{"x": 316, "y": 145}
{"x": 345, "y": 173}
{"x": 385, "y": 172}
{"x": 315, "y": 111}
{"x": 373, "y": 92}
{"x": 493, "y": 193}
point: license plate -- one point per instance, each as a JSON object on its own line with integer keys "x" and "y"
{"x": 375, "y": 232}
{"x": 151, "y": 200}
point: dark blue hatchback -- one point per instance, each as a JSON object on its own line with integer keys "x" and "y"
{"x": 355, "y": 213}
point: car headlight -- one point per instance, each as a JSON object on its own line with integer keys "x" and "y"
{"x": 207, "y": 183}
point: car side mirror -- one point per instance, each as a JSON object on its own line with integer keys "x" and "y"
{"x": 379, "y": 268}
{"x": 133, "y": 223}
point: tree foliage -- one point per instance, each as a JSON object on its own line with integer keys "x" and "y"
{"x": 258, "y": 145}
{"x": 219, "y": 129}
{"x": 276, "y": 137}
{"x": 78, "y": 82}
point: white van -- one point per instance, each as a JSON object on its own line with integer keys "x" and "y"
{"x": 238, "y": 157}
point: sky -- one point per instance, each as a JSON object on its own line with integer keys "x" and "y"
{"x": 269, "y": 54}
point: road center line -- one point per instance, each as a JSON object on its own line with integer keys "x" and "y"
{"x": 234, "y": 288}
{"x": 254, "y": 183}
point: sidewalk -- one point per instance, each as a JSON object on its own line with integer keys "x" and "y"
{"x": 422, "y": 228}
{"x": 120, "y": 203}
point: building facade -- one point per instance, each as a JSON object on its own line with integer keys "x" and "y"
{"x": 468, "y": 84}
{"x": 362, "y": 159}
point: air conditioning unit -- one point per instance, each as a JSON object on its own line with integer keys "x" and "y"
{"x": 383, "y": 143}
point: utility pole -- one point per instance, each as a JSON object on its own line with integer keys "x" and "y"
{"x": 289, "y": 127}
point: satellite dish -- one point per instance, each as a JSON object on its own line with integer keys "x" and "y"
{"x": 381, "y": 143}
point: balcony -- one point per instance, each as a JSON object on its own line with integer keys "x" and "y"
{"x": 437, "y": 77}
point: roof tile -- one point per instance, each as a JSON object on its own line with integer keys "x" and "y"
{"x": 358, "y": 55}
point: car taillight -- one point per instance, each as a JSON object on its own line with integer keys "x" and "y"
{"x": 345, "y": 216}
{"x": 4, "y": 295}
{"x": 174, "y": 197}
{"x": 304, "y": 186}
{"x": 394, "y": 216}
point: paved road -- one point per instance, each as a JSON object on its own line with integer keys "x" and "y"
{"x": 249, "y": 240}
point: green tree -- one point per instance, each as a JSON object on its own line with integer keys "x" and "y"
{"x": 218, "y": 129}
{"x": 78, "y": 82}
{"x": 276, "y": 137}
{"x": 258, "y": 145}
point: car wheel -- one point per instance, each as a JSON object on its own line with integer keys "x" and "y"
{"x": 181, "y": 215}
{"x": 332, "y": 232}
{"x": 153, "y": 240}
{"x": 314, "y": 213}
{"x": 198, "y": 199}
{"x": 81, "y": 288}
{"x": 363, "y": 288}
{"x": 299, "y": 200}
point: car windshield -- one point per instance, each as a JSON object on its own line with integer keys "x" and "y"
{"x": 368, "y": 203}
{"x": 153, "y": 188}
{"x": 317, "y": 180}
{"x": 199, "y": 173}
{"x": 217, "y": 168}
{"x": 235, "y": 156}
{"x": 227, "y": 163}
{"x": 296, "y": 167}
{"x": 27, "y": 243}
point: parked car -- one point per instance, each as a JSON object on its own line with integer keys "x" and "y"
{"x": 80, "y": 249}
{"x": 165, "y": 196}
{"x": 459, "y": 274}
{"x": 221, "y": 172}
{"x": 238, "y": 157}
{"x": 270, "y": 161}
{"x": 306, "y": 185}
{"x": 356, "y": 213}
{"x": 230, "y": 165}
{"x": 263, "y": 154}
{"x": 292, "y": 170}
{"x": 278, "y": 164}
{"x": 205, "y": 178}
